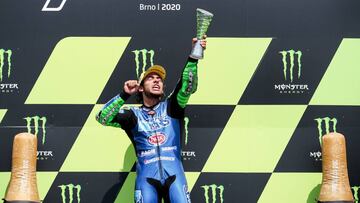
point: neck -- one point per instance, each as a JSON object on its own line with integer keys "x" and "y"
{"x": 150, "y": 101}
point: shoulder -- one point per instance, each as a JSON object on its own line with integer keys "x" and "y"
{"x": 129, "y": 109}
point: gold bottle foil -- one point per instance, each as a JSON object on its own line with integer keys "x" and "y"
{"x": 335, "y": 182}
{"x": 23, "y": 182}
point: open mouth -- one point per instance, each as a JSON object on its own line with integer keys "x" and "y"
{"x": 156, "y": 87}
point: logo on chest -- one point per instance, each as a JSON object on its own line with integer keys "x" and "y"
{"x": 152, "y": 124}
{"x": 157, "y": 139}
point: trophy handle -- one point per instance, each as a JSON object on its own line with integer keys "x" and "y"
{"x": 197, "y": 51}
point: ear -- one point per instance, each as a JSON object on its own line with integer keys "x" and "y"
{"x": 141, "y": 89}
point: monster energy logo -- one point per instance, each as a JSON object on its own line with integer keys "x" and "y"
{"x": 288, "y": 69}
{"x": 71, "y": 188}
{"x": 356, "y": 194}
{"x": 214, "y": 189}
{"x": 187, "y": 155}
{"x": 292, "y": 54}
{"x": 144, "y": 54}
{"x": 186, "y": 120}
{"x": 327, "y": 121}
{"x": 36, "y": 120}
{"x": 4, "y": 52}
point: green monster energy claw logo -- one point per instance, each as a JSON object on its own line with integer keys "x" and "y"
{"x": 2, "y": 62}
{"x": 214, "y": 188}
{"x": 71, "y": 188}
{"x": 36, "y": 120}
{"x": 327, "y": 121}
{"x": 356, "y": 194}
{"x": 144, "y": 53}
{"x": 292, "y": 54}
{"x": 186, "y": 120}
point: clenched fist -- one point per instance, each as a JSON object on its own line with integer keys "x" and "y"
{"x": 131, "y": 86}
{"x": 202, "y": 41}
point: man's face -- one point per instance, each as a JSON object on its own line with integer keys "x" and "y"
{"x": 153, "y": 85}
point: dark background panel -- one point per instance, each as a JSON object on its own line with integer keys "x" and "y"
{"x": 57, "y": 115}
{"x": 32, "y": 34}
{"x": 205, "y": 125}
{"x": 95, "y": 187}
{"x": 171, "y": 55}
{"x": 314, "y": 27}
{"x": 256, "y": 18}
{"x": 237, "y": 187}
{"x": 316, "y": 55}
{"x": 62, "y": 126}
{"x": 30, "y": 53}
{"x": 302, "y": 152}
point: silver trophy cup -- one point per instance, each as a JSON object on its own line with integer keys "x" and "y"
{"x": 203, "y": 22}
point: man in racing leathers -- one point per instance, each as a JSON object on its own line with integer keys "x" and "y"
{"x": 155, "y": 129}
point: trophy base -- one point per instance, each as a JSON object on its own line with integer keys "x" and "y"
{"x": 196, "y": 57}
{"x": 198, "y": 51}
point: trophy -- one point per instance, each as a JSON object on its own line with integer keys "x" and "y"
{"x": 203, "y": 22}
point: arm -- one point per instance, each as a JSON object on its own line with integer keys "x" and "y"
{"x": 111, "y": 109}
{"x": 111, "y": 115}
{"x": 183, "y": 90}
{"x": 187, "y": 84}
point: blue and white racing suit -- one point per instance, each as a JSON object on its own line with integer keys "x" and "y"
{"x": 156, "y": 135}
